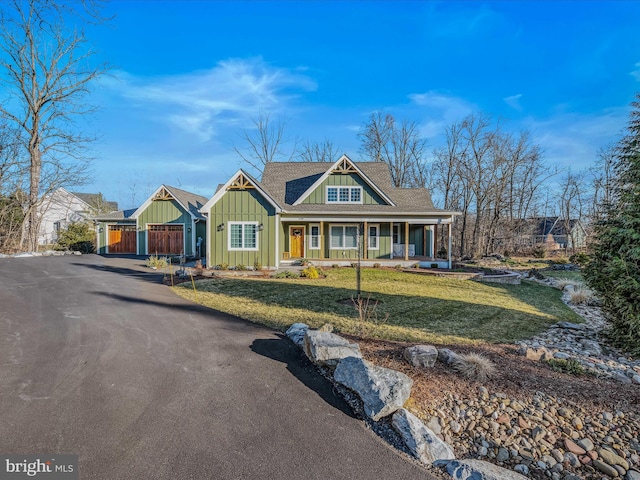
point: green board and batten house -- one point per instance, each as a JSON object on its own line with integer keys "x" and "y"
{"x": 169, "y": 222}
{"x": 320, "y": 211}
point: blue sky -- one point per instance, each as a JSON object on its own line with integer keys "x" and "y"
{"x": 189, "y": 76}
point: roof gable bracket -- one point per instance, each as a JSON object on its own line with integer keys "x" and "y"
{"x": 241, "y": 182}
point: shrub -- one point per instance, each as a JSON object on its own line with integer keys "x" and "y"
{"x": 335, "y": 265}
{"x": 327, "y": 327}
{"x": 257, "y": 265}
{"x": 310, "y": 272}
{"x": 304, "y": 262}
{"x": 78, "y": 237}
{"x": 434, "y": 265}
{"x": 286, "y": 274}
{"x": 222, "y": 266}
{"x": 579, "y": 258}
{"x": 581, "y": 296}
{"x": 570, "y": 366}
{"x": 561, "y": 261}
{"x": 561, "y": 284}
{"x": 154, "y": 261}
{"x": 539, "y": 252}
{"x": 198, "y": 269}
{"x": 377, "y": 265}
{"x": 367, "y": 313}
{"x": 474, "y": 366}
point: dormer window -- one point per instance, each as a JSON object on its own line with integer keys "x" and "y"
{"x": 344, "y": 194}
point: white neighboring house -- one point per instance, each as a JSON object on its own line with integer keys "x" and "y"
{"x": 61, "y": 208}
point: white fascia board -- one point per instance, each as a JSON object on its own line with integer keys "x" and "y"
{"x": 361, "y": 218}
{"x": 326, "y": 174}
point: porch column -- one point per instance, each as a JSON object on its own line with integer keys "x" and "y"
{"x": 449, "y": 249}
{"x": 433, "y": 241}
{"x": 391, "y": 238}
{"x": 365, "y": 246}
{"x": 424, "y": 240}
{"x": 322, "y": 255}
{"x": 406, "y": 241}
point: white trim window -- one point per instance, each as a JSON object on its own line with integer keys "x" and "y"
{"x": 373, "y": 237}
{"x": 243, "y": 236}
{"x": 314, "y": 237}
{"x": 344, "y": 237}
{"x": 336, "y": 194}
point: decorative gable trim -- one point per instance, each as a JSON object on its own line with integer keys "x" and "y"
{"x": 240, "y": 180}
{"x": 344, "y": 166}
{"x": 162, "y": 193}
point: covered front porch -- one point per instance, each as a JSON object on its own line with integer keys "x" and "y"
{"x": 343, "y": 241}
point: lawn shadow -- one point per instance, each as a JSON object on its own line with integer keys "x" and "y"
{"x": 468, "y": 318}
{"x": 282, "y": 350}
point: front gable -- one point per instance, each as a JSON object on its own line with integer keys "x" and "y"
{"x": 164, "y": 205}
{"x": 343, "y": 173}
{"x": 244, "y": 183}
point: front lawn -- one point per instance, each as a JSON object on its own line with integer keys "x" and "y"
{"x": 419, "y": 308}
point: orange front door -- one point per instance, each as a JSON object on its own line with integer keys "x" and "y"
{"x": 296, "y": 240}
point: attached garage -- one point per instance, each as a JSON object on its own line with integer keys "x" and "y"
{"x": 121, "y": 239}
{"x": 165, "y": 239}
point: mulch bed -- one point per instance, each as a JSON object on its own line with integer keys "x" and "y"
{"x": 515, "y": 376}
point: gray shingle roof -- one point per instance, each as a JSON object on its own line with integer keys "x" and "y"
{"x": 190, "y": 200}
{"x": 94, "y": 198}
{"x": 285, "y": 182}
{"x": 119, "y": 215}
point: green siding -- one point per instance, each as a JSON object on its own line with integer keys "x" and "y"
{"x": 164, "y": 212}
{"x": 384, "y": 242}
{"x": 369, "y": 196}
{"x": 242, "y": 206}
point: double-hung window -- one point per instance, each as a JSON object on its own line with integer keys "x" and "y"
{"x": 243, "y": 235}
{"x": 344, "y": 237}
{"x": 314, "y": 237}
{"x": 344, "y": 194}
{"x": 374, "y": 237}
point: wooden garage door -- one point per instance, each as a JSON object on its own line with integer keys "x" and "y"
{"x": 122, "y": 239}
{"x": 166, "y": 239}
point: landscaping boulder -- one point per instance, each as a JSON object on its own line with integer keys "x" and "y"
{"x": 421, "y": 355}
{"x": 327, "y": 349}
{"x": 420, "y": 440}
{"x": 382, "y": 390}
{"x": 477, "y": 470}
{"x": 296, "y": 333}
{"x": 447, "y": 356}
{"x": 540, "y": 353}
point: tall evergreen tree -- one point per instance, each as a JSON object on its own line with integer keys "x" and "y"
{"x": 614, "y": 272}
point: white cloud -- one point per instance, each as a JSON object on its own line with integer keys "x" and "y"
{"x": 514, "y": 101}
{"x": 571, "y": 140}
{"x": 200, "y": 102}
{"x": 636, "y": 73}
{"x": 440, "y": 110}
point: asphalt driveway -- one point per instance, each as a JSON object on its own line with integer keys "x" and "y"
{"x": 97, "y": 358}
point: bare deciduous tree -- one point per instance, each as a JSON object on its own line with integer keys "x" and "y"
{"x": 46, "y": 71}
{"x": 324, "y": 151}
{"x": 398, "y": 145}
{"x": 264, "y": 142}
